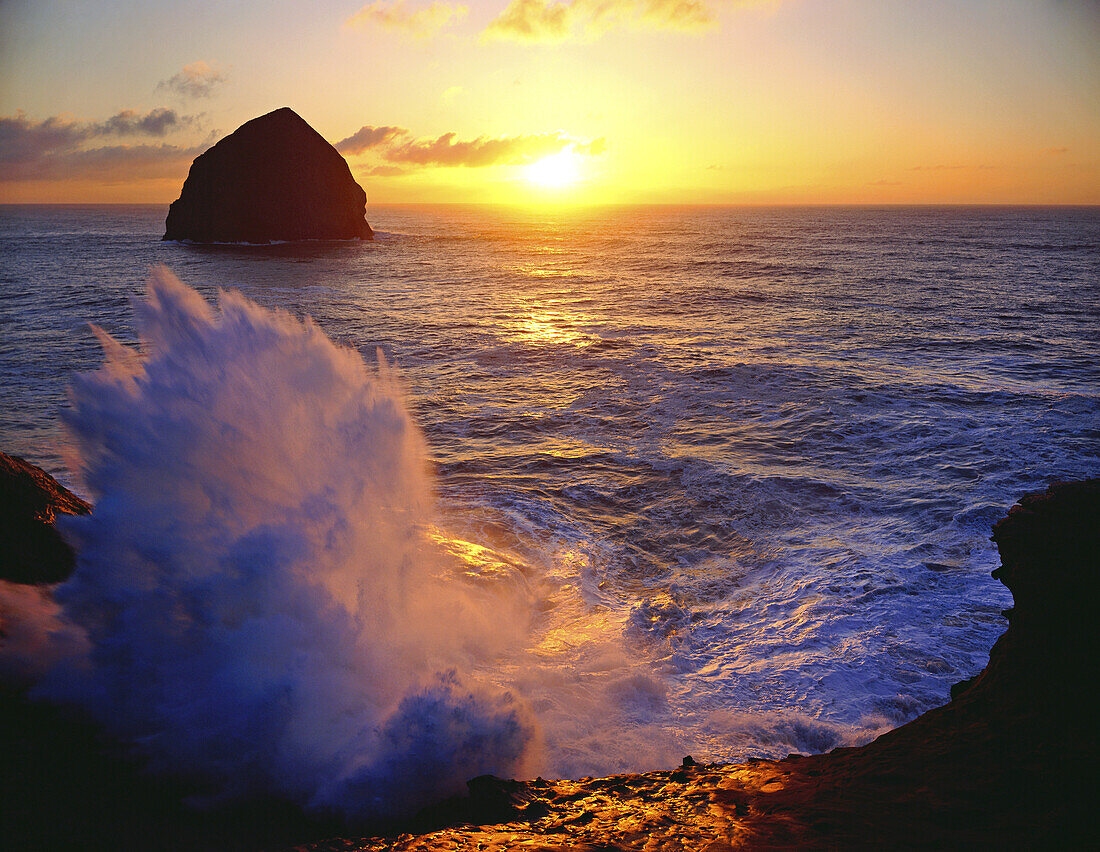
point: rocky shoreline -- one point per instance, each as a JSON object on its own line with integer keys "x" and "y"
{"x": 1009, "y": 761}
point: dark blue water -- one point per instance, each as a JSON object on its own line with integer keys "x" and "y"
{"x": 754, "y": 452}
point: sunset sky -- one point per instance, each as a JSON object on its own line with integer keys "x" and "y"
{"x": 683, "y": 101}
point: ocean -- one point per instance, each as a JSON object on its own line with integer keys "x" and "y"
{"x": 725, "y": 474}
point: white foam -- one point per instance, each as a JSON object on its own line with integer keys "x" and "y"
{"x": 262, "y": 608}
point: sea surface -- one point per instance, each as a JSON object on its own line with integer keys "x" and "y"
{"x": 750, "y": 456}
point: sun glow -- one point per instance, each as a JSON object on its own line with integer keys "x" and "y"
{"x": 556, "y": 171}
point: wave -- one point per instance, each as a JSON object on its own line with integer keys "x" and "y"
{"x": 261, "y": 604}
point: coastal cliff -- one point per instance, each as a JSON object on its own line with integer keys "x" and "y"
{"x": 274, "y": 179}
{"x": 1008, "y": 762}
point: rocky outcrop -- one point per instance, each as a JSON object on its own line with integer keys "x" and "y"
{"x": 31, "y": 550}
{"x": 274, "y": 179}
{"x": 1010, "y": 762}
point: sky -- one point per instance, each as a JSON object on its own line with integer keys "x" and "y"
{"x": 645, "y": 101}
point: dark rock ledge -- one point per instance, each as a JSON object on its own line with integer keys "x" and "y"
{"x": 31, "y": 551}
{"x": 1010, "y": 762}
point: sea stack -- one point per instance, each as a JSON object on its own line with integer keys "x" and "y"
{"x": 273, "y": 179}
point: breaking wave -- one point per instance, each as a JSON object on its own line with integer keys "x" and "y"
{"x": 264, "y": 603}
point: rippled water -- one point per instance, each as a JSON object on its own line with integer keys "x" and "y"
{"x": 757, "y": 451}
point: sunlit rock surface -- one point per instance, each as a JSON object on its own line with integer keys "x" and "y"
{"x": 274, "y": 179}
{"x": 1010, "y": 761}
{"x": 31, "y": 550}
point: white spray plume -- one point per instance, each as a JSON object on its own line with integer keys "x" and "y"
{"x": 261, "y": 605}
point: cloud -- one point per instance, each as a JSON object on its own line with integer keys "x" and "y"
{"x": 22, "y": 139}
{"x": 400, "y": 152}
{"x": 369, "y": 137}
{"x": 419, "y": 23}
{"x": 53, "y": 148}
{"x": 446, "y": 150}
{"x": 197, "y": 80}
{"x": 109, "y": 163}
{"x": 944, "y": 167}
{"x": 533, "y": 20}
{"x": 1056, "y": 151}
{"x": 387, "y": 171}
{"x": 594, "y": 148}
{"x": 550, "y": 21}
{"x": 157, "y": 122}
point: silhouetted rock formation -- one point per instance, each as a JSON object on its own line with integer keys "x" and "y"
{"x": 31, "y": 550}
{"x": 273, "y": 179}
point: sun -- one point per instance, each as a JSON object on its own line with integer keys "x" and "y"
{"x": 556, "y": 171}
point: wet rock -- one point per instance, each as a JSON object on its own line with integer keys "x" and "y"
{"x": 1009, "y": 762}
{"x": 274, "y": 179}
{"x": 31, "y": 550}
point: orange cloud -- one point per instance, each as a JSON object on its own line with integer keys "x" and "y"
{"x": 483, "y": 151}
{"x": 532, "y": 20}
{"x": 196, "y": 80}
{"x": 549, "y": 21}
{"x": 945, "y": 167}
{"x": 396, "y": 145}
{"x": 419, "y": 23}
{"x": 386, "y": 171}
{"x": 367, "y": 137}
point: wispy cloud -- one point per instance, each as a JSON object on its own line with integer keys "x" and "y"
{"x": 367, "y": 137}
{"x": 108, "y": 163}
{"x": 452, "y": 93}
{"x": 448, "y": 150}
{"x": 585, "y": 20}
{"x": 395, "y": 15}
{"x": 594, "y": 148}
{"x": 386, "y": 171}
{"x": 533, "y": 20}
{"x": 949, "y": 167}
{"x": 157, "y": 122}
{"x": 197, "y": 80}
{"x": 400, "y": 151}
{"x": 54, "y": 147}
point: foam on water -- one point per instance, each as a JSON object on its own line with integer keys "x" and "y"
{"x": 267, "y": 601}
{"x": 721, "y": 479}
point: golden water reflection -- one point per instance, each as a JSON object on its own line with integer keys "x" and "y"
{"x": 548, "y": 328}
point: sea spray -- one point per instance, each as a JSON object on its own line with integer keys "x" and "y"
{"x": 269, "y": 600}
{"x": 264, "y": 610}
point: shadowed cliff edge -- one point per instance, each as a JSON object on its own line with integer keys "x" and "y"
{"x": 1010, "y": 761}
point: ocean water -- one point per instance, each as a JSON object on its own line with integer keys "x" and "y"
{"x": 742, "y": 461}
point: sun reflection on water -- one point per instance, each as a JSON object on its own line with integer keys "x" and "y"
{"x": 551, "y": 328}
